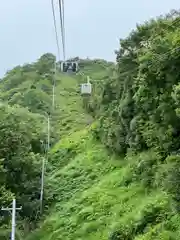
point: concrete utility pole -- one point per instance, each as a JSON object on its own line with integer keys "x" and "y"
{"x": 88, "y": 79}
{"x": 53, "y": 96}
{"x": 13, "y": 209}
{"x": 48, "y": 133}
{"x": 43, "y": 164}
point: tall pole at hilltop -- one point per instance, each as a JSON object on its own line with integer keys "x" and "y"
{"x": 43, "y": 164}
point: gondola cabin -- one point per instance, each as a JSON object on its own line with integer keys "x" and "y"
{"x": 69, "y": 66}
{"x": 86, "y": 88}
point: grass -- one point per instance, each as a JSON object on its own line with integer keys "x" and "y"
{"x": 93, "y": 200}
{"x": 69, "y": 115}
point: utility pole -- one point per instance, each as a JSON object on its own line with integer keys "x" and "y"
{"x": 13, "y": 209}
{"x": 88, "y": 79}
{"x": 48, "y": 134}
{"x": 43, "y": 164}
{"x": 53, "y": 95}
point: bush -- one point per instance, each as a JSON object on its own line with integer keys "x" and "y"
{"x": 169, "y": 175}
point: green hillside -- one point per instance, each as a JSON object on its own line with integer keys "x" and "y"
{"x": 100, "y": 196}
{"x": 113, "y": 169}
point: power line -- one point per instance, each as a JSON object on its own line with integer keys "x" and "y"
{"x": 61, "y": 15}
{"x": 58, "y": 49}
{"x": 45, "y": 158}
{"x": 174, "y": 22}
{"x": 55, "y": 28}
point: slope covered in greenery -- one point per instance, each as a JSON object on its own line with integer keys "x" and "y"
{"x": 30, "y": 86}
{"x": 115, "y": 178}
{"x": 26, "y": 101}
{"x": 101, "y": 196}
{"x": 139, "y": 106}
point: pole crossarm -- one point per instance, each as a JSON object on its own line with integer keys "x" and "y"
{"x": 10, "y": 209}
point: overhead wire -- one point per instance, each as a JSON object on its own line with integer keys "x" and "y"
{"x": 174, "y": 22}
{"x": 158, "y": 56}
{"x": 58, "y": 49}
{"x": 55, "y": 28}
{"x": 45, "y": 159}
{"x": 61, "y": 15}
{"x": 171, "y": 51}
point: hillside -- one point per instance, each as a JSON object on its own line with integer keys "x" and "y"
{"x": 30, "y": 86}
{"x": 26, "y": 98}
{"x": 113, "y": 169}
{"x": 100, "y": 196}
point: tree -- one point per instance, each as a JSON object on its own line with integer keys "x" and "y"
{"x": 20, "y": 148}
{"x": 139, "y": 106}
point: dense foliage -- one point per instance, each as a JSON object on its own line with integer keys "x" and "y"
{"x": 21, "y": 160}
{"x": 139, "y": 107}
{"x": 23, "y": 136}
{"x": 26, "y": 102}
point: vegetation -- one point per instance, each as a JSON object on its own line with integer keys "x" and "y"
{"x": 101, "y": 196}
{"x": 112, "y": 175}
{"x": 139, "y": 107}
{"x": 26, "y": 102}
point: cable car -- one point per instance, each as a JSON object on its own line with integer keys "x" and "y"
{"x": 86, "y": 88}
{"x": 69, "y": 66}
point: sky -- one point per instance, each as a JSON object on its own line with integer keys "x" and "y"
{"x": 93, "y": 27}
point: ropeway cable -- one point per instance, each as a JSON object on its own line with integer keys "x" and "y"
{"x": 45, "y": 159}
{"x": 61, "y": 15}
{"x": 55, "y": 28}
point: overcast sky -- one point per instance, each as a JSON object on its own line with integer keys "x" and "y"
{"x": 93, "y": 27}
